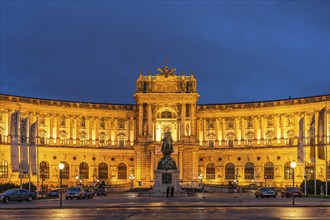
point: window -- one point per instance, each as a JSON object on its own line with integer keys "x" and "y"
{"x": 102, "y": 124}
{"x": 63, "y": 122}
{"x": 250, "y": 123}
{"x": 288, "y": 172}
{"x": 210, "y": 171}
{"x": 121, "y": 124}
{"x": 102, "y": 137}
{"x": 42, "y": 121}
{"x": 66, "y": 171}
{"x": 210, "y": 125}
{"x": 83, "y": 171}
{"x": 249, "y": 171}
{"x": 269, "y": 170}
{"x": 122, "y": 171}
{"x": 310, "y": 171}
{"x": 230, "y": 140}
{"x": 3, "y": 169}
{"x": 230, "y": 171}
{"x": 270, "y": 122}
{"x": 121, "y": 143}
{"x": 230, "y": 124}
{"x": 103, "y": 171}
{"x": 44, "y": 170}
{"x": 83, "y": 122}
{"x": 211, "y": 143}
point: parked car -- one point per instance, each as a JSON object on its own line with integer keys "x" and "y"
{"x": 277, "y": 190}
{"x": 101, "y": 192}
{"x": 265, "y": 192}
{"x": 89, "y": 194}
{"x": 18, "y": 195}
{"x": 291, "y": 191}
{"x": 75, "y": 192}
{"x": 53, "y": 193}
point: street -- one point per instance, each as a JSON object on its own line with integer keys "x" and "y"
{"x": 133, "y": 206}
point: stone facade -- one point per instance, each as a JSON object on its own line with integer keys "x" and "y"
{"x": 249, "y": 142}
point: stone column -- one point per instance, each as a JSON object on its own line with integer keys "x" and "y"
{"x": 296, "y": 128}
{"x": 236, "y": 124}
{"x": 58, "y": 129}
{"x": 109, "y": 132}
{"x": 275, "y": 118}
{"x": 181, "y": 164}
{"x": 116, "y": 131}
{"x": 8, "y": 127}
{"x": 183, "y": 116}
{"x": 262, "y": 133}
{"x": 77, "y": 130}
{"x": 129, "y": 132}
{"x": 223, "y": 133}
{"x": 282, "y": 128}
{"x": 51, "y": 130}
{"x": 243, "y": 132}
{"x": 90, "y": 130}
{"x": 216, "y": 132}
{"x": 97, "y": 125}
{"x": 149, "y": 121}
{"x": 255, "y": 129}
{"x": 140, "y": 120}
{"x": 204, "y": 133}
{"x": 71, "y": 130}
{"x": 193, "y": 120}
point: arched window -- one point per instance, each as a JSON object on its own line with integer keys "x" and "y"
{"x": 269, "y": 170}
{"x": 230, "y": 171}
{"x": 83, "y": 170}
{"x": 3, "y": 169}
{"x": 288, "y": 171}
{"x": 121, "y": 139}
{"x": 230, "y": 139}
{"x": 122, "y": 171}
{"x": 103, "y": 171}
{"x": 249, "y": 171}
{"x": 44, "y": 170}
{"x": 210, "y": 171}
{"x": 66, "y": 171}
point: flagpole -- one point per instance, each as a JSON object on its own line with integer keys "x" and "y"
{"x": 28, "y": 148}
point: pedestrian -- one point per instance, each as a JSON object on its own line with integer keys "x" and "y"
{"x": 168, "y": 191}
{"x": 172, "y": 191}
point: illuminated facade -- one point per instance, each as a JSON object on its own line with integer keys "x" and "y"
{"x": 252, "y": 142}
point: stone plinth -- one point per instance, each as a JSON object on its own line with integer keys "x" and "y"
{"x": 163, "y": 179}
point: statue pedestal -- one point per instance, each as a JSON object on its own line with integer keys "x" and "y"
{"x": 164, "y": 179}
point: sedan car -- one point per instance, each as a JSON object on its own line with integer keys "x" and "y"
{"x": 291, "y": 191}
{"x": 75, "y": 192}
{"x": 17, "y": 195}
{"x": 265, "y": 192}
{"x": 53, "y": 193}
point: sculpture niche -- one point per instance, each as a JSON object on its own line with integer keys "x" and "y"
{"x": 166, "y": 162}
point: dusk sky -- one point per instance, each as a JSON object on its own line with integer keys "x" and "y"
{"x": 93, "y": 51}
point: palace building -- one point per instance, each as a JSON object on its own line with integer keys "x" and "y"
{"x": 250, "y": 142}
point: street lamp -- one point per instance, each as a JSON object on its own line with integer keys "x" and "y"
{"x": 131, "y": 177}
{"x": 61, "y": 167}
{"x": 293, "y": 165}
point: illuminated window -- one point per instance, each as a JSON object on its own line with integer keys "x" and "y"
{"x": 288, "y": 171}
{"x": 3, "y": 169}
{"x": 249, "y": 171}
{"x": 121, "y": 124}
{"x": 122, "y": 171}
{"x": 103, "y": 171}
{"x": 44, "y": 170}
{"x": 102, "y": 123}
{"x": 83, "y": 122}
{"x": 310, "y": 171}
{"x": 269, "y": 170}
{"x": 210, "y": 171}
{"x": 63, "y": 122}
{"x": 66, "y": 171}
{"x": 83, "y": 171}
{"x": 230, "y": 171}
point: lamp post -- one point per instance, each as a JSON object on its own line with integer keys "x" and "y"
{"x": 131, "y": 177}
{"x": 61, "y": 167}
{"x": 77, "y": 177}
{"x": 293, "y": 165}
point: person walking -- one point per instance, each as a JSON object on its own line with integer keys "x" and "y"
{"x": 168, "y": 191}
{"x": 172, "y": 191}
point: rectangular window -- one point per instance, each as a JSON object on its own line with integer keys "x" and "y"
{"x": 121, "y": 143}
{"x": 211, "y": 143}
{"x": 121, "y": 124}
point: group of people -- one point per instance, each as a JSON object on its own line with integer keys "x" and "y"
{"x": 169, "y": 188}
